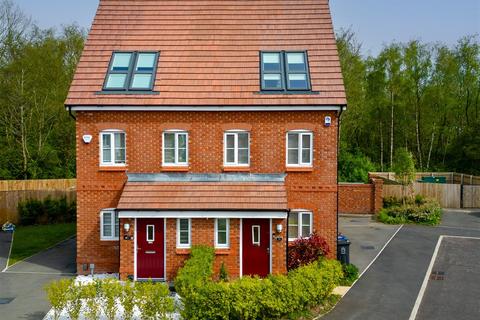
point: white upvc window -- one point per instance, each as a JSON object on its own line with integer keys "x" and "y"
{"x": 108, "y": 225}
{"x": 175, "y": 148}
{"x": 222, "y": 233}
{"x": 236, "y": 148}
{"x": 112, "y": 148}
{"x": 299, "y": 225}
{"x": 299, "y": 148}
{"x": 184, "y": 233}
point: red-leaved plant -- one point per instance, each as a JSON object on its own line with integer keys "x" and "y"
{"x": 306, "y": 250}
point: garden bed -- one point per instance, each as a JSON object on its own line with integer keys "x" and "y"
{"x": 417, "y": 210}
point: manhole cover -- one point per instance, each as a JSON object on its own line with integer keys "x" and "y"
{"x": 367, "y": 247}
{"x": 6, "y": 300}
{"x": 437, "y": 275}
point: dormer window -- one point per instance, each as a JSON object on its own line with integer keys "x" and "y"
{"x": 284, "y": 71}
{"x": 131, "y": 71}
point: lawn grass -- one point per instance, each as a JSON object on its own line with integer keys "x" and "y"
{"x": 29, "y": 240}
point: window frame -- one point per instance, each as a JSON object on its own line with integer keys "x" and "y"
{"x": 176, "y": 149}
{"x": 130, "y": 73}
{"x": 227, "y": 231}
{"x": 184, "y": 245}
{"x": 257, "y": 227}
{"x": 300, "y": 214}
{"x": 114, "y": 228}
{"x": 112, "y": 162}
{"x": 300, "y": 134}
{"x": 153, "y": 233}
{"x": 284, "y": 72}
{"x": 235, "y": 163}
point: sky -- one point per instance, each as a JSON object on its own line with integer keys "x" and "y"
{"x": 375, "y": 22}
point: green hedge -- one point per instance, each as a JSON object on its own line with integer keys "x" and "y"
{"x": 418, "y": 210}
{"x": 252, "y": 298}
{"x": 47, "y": 211}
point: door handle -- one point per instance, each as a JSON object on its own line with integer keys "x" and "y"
{"x": 268, "y": 250}
{"x": 150, "y": 252}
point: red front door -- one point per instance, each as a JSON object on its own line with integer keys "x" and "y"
{"x": 256, "y": 247}
{"x": 150, "y": 248}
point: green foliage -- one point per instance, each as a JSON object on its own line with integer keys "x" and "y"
{"x": 223, "y": 274}
{"x": 110, "y": 290}
{"x": 153, "y": 300}
{"x": 198, "y": 269}
{"x": 57, "y": 294}
{"x": 350, "y": 274}
{"x": 90, "y": 294}
{"x": 404, "y": 167}
{"x": 418, "y": 210}
{"x": 128, "y": 299}
{"x": 274, "y": 297}
{"x": 47, "y": 211}
{"x": 36, "y": 68}
{"x": 75, "y": 302}
{"x": 415, "y": 96}
{"x": 354, "y": 167}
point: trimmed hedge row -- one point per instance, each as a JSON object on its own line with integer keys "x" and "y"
{"x": 252, "y": 298}
{"x": 418, "y": 210}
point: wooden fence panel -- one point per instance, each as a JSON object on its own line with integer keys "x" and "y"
{"x": 471, "y": 196}
{"x": 12, "y": 192}
{"x": 448, "y": 195}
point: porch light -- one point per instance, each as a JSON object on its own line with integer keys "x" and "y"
{"x": 279, "y": 228}
{"x": 126, "y": 227}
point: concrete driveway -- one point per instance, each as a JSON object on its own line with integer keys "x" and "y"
{"x": 391, "y": 288}
{"x": 5, "y": 241}
{"x": 22, "y": 294}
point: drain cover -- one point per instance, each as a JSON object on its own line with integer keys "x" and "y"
{"x": 437, "y": 275}
{"x": 6, "y": 300}
{"x": 367, "y": 247}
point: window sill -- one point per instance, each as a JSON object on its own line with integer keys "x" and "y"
{"x": 236, "y": 168}
{"x": 182, "y": 251}
{"x": 222, "y": 251}
{"x": 112, "y": 168}
{"x": 175, "y": 168}
{"x": 299, "y": 169}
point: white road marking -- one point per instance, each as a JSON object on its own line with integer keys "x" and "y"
{"x": 9, "y": 252}
{"x": 421, "y": 293}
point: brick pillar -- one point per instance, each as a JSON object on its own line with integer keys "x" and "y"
{"x": 126, "y": 249}
{"x": 377, "y": 194}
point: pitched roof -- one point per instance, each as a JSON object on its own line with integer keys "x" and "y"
{"x": 209, "y": 50}
{"x": 203, "y": 195}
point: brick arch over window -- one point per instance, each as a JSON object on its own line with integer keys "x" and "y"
{"x": 237, "y": 126}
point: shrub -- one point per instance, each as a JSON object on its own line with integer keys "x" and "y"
{"x": 418, "y": 210}
{"x": 306, "y": 250}
{"x": 350, "y": 274}
{"x": 57, "y": 295}
{"x": 46, "y": 211}
{"x": 110, "y": 290}
{"x": 223, "y": 274}
{"x": 275, "y": 297}
{"x": 74, "y": 297}
{"x": 197, "y": 270}
{"x": 128, "y": 300}
{"x": 90, "y": 294}
{"x": 155, "y": 301}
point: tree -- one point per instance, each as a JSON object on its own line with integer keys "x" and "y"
{"x": 404, "y": 168}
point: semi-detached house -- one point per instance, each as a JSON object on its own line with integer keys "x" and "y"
{"x": 205, "y": 122}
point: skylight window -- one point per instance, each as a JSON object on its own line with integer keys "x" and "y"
{"x": 284, "y": 71}
{"x": 131, "y": 71}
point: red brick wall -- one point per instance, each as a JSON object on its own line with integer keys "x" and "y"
{"x": 360, "y": 198}
{"x": 100, "y": 188}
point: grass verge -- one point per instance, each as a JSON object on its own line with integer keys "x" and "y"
{"x": 29, "y": 240}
